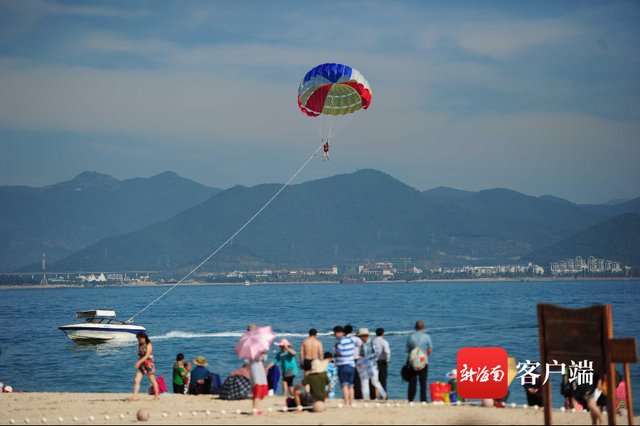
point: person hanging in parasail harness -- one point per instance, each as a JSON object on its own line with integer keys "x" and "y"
{"x": 325, "y": 150}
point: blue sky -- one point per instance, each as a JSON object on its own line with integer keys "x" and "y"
{"x": 540, "y": 97}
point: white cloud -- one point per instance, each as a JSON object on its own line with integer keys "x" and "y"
{"x": 500, "y": 38}
{"x": 42, "y": 8}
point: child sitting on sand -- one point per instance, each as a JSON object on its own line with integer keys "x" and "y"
{"x": 187, "y": 379}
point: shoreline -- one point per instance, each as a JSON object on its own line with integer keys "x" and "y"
{"x": 111, "y": 408}
{"x": 241, "y": 284}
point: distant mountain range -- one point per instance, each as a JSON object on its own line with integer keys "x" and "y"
{"x": 353, "y": 217}
{"x": 63, "y": 218}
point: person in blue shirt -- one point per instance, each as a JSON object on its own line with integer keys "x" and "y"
{"x": 199, "y": 376}
{"x": 419, "y": 339}
{"x": 288, "y": 366}
{"x": 345, "y": 356}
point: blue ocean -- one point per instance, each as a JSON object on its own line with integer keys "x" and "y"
{"x": 208, "y": 320}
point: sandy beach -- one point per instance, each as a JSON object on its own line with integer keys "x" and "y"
{"x": 112, "y": 408}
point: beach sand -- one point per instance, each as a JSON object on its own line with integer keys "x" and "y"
{"x": 108, "y": 408}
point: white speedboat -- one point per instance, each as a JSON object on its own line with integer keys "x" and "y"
{"x": 100, "y": 326}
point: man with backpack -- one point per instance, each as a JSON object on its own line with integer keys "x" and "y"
{"x": 419, "y": 347}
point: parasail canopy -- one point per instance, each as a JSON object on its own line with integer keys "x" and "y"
{"x": 333, "y": 89}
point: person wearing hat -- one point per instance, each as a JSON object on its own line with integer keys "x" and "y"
{"x": 199, "y": 376}
{"x": 313, "y": 390}
{"x": 288, "y": 366}
{"x": 367, "y": 367}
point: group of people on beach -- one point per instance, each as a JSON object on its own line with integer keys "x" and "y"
{"x": 358, "y": 361}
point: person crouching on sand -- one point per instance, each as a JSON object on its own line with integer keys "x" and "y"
{"x": 144, "y": 366}
{"x": 314, "y": 388}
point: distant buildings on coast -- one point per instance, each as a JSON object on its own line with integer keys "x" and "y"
{"x": 356, "y": 272}
{"x": 579, "y": 265}
{"x": 491, "y": 271}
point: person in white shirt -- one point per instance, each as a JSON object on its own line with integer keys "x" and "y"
{"x": 383, "y": 354}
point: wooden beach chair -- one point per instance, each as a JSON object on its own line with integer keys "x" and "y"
{"x": 625, "y": 351}
{"x": 584, "y": 334}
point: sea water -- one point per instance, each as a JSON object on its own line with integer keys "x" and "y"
{"x": 208, "y": 321}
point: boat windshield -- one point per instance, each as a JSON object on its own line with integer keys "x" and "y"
{"x": 95, "y": 320}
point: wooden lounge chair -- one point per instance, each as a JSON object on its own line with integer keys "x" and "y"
{"x": 584, "y": 334}
{"x": 625, "y": 351}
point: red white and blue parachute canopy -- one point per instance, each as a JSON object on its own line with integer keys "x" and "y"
{"x": 333, "y": 89}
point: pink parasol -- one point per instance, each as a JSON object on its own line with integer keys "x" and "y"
{"x": 255, "y": 342}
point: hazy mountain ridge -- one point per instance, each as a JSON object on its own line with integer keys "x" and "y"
{"x": 344, "y": 218}
{"x": 62, "y": 218}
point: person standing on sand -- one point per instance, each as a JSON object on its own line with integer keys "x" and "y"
{"x": 332, "y": 374}
{"x": 259, "y": 384}
{"x": 179, "y": 374}
{"x": 367, "y": 368}
{"x": 357, "y": 385}
{"x": 345, "y": 351}
{"x": 418, "y": 346}
{"x": 310, "y": 349}
{"x": 383, "y": 354}
{"x": 288, "y": 367}
{"x": 144, "y": 366}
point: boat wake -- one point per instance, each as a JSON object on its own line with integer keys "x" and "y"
{"x": 238, "y": 333}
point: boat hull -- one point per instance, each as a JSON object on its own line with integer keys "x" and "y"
{"x": 94, "y": 334}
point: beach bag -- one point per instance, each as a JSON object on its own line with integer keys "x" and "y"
{"x": 162, "y": 386}
{"x": 216, "y": 384}
{"x": 273, "y": 378}
{"x": 440, "y": 391}
{"x": 417, "y": 359}
{"x": 235, "y": 388}
{"x": 364, "y": 369}
{"x": 404, "y": 373}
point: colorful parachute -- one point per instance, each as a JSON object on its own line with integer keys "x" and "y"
{"x": 333, "y": 89}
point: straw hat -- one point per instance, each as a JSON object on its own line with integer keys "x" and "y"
{"x": 283, "y": 342}
{"x": 201, "y": 361}
{"x": 319, "y": 366}
{"x": 364, "y": 331}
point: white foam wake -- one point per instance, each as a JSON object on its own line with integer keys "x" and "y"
{"x": 238, "y": 333}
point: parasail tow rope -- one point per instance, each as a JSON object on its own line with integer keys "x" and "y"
{"x": 256, "y": 214}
